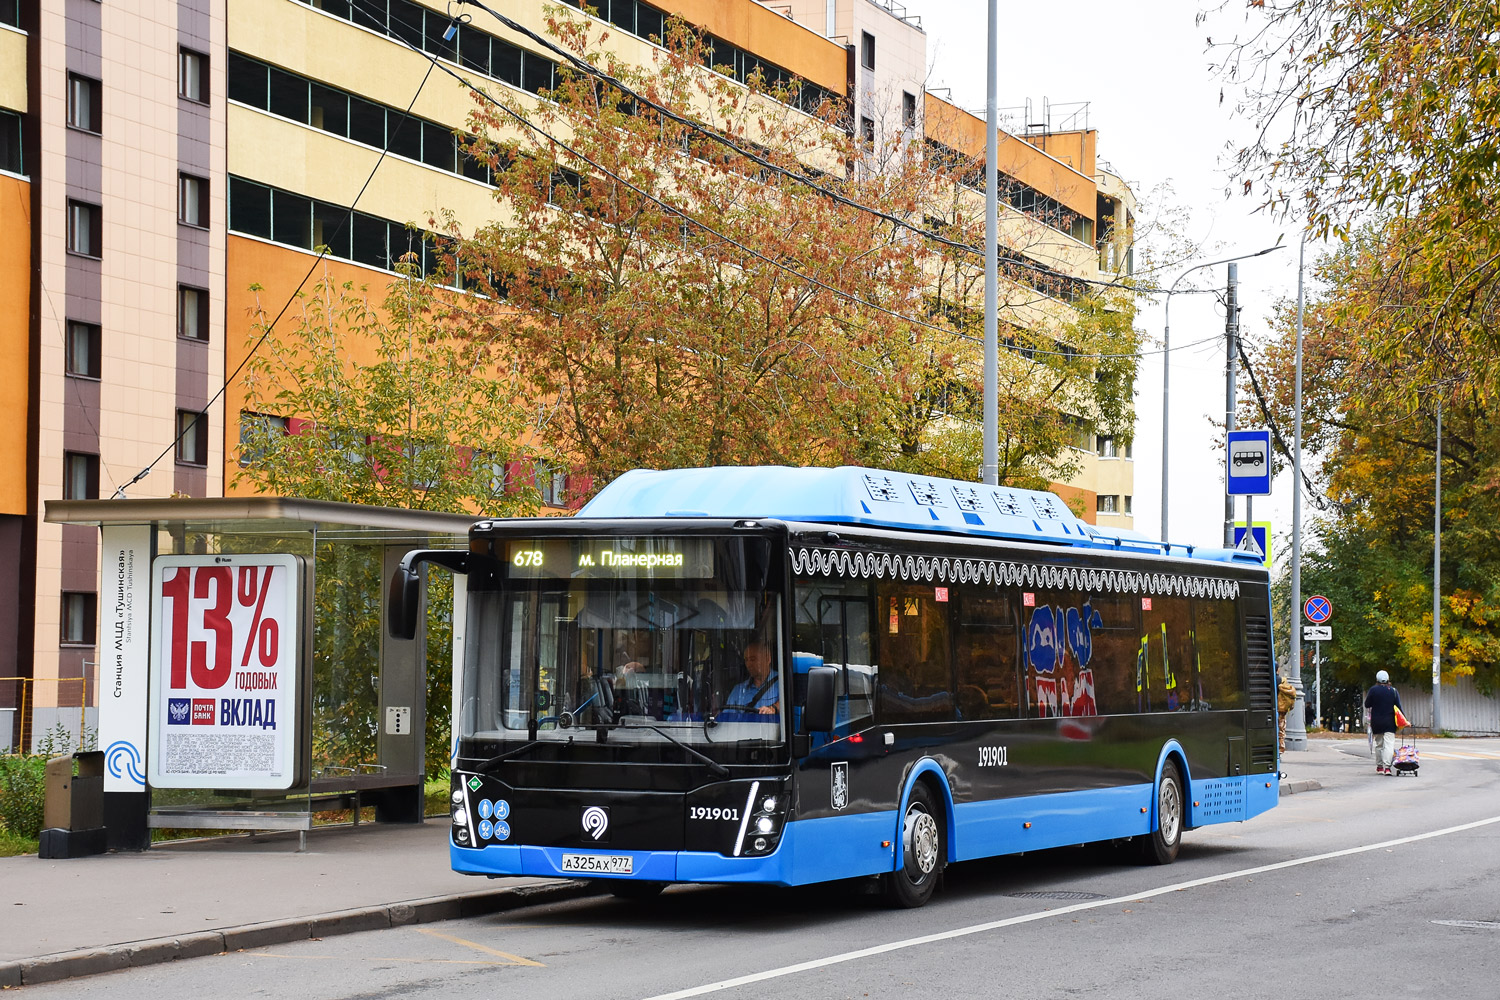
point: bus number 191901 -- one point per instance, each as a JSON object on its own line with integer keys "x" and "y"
{"x": 992, "y": 757}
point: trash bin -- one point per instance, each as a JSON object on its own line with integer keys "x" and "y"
{"x": 73, "y": 810}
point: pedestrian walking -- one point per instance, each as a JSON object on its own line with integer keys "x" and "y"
{"x": 1384, "y": 705}
{"x": 1286, "y": 698}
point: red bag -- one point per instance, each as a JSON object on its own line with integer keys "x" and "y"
{"x": 1401, "y": 721}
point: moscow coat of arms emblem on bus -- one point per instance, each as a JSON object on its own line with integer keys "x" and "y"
{"x": 839, "y": 779}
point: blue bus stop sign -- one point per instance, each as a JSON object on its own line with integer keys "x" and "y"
{"x": 1249, "y": 463}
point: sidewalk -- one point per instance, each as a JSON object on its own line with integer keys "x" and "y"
{"x": 83, "y": 916}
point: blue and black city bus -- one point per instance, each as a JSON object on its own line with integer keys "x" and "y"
{"x": 786, "y": 676}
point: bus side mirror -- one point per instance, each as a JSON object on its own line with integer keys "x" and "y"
{"x": 404, "y": 599}
{"x": 822, "y": 694}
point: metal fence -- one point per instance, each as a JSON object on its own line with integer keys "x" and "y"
{"x": 50, "y": 710}
{"x": 1464, "y": 710}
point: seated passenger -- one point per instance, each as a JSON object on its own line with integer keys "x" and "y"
{"x": 759, "y": 693}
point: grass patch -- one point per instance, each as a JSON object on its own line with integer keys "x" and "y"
{"x": 435, "y": 792}
{"x": 12, "y": 845}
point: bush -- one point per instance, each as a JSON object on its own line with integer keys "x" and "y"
{"x": 22, "y": 793}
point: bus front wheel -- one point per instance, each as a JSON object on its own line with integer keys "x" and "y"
{"x": 1159, "y": 847}
{"x": 922, "y": 852}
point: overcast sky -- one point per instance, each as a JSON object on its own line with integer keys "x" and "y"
{"x": 1144, "y": 70}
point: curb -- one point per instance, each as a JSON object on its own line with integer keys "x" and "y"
{"x": 154, "y": 951}
{"x": 1303, "y": 785}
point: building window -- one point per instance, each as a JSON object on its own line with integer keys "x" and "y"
{"x": 84, "y": 229}
{"x": 78, "y": 614}
{"x": 192, "y": 312}
{"x": 192, "y": 200}
{"x": 192, "y": 437}
{"x": 1106, "y": 446}
{"x": 1108, "y": 504}
{"x": 83, "y": 349}
{"x": 80, "y": 476}
{"x": 258, "y": 431}
{"x": 84, "y": 103}
{"x": 552, "y": 484}
{"x": 867, "y": 131}
{"x": 1129, "y": 504}
{"x": 908, "y": 109}
{"x": 10, "y": 143}
{"x": 192, "y": 75}
{"x": 10, "y": 13}
{"x": 867, "y": 49}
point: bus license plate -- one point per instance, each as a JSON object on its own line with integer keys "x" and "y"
{"x": 609, "y": 864}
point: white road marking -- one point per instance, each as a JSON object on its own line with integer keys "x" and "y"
{"x": 851, "y": 956}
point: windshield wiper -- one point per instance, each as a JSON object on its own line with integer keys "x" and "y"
{"x": 713, "y": 765}
{"x": 485, "y": 767}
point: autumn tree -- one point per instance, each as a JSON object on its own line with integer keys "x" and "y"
{"x": 676, "y": 301}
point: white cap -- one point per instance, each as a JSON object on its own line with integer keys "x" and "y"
{"x": 1382, "y": 676}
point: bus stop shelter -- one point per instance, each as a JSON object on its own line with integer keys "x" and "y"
{"x": 245, "y": 677}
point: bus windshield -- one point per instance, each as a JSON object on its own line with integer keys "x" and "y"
{"x": 652, "y": 639}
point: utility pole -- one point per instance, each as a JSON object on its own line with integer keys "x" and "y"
{"x": 991, "y": 471}
{"x": 1231, "y": 372}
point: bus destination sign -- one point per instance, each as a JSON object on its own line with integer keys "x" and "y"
{"x": 531, "y": 558}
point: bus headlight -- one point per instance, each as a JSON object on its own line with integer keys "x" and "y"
{"x": 460, "y": 817}
{"x": 764, "y": 825}
{"x": 769, "y": 804}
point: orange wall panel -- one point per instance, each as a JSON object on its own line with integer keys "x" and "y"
{"x": 15, "y": 338}
{"x": 277, "y": 270}
{"x": 1075, "y": 188}
{"x": 771, "y": 36}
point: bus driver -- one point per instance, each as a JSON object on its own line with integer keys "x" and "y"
{"x": 758, "y": 693}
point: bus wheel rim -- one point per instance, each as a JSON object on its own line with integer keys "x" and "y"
{"x": 1169, "y": 809}
{"x": 921, "y": 843}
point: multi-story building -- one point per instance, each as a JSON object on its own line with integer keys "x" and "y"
{"x": 166, "y": 167}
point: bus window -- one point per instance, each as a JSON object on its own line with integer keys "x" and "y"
{"x": 1163, "y": 670}
{"x": 1115, "y": 638}
{"x": 1216, "y": 649}
{"x": 833, "y": 629}
{"x": 988, "y": 649}
{"x": 916, "y": 683}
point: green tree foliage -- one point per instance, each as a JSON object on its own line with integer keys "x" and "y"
{"x": 386, "y": 406}
{"x": 1379, "y": 121}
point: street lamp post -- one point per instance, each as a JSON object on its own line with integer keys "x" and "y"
{"x": 1166, "y": 367}
{"x": 990, "y": 474}
{"x": 1296, "y": 728}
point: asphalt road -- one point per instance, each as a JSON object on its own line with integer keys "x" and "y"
{"x": 1373, "y": 886}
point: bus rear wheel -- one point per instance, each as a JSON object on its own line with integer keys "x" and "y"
{"x": 922, "y": 852}
{"x": 1159, "y": 847}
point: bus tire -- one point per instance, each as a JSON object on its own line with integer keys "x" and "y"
{"x": 1159, "y": 847}
{"x": 624, "y": 888}
{"x": 923, "y": 852}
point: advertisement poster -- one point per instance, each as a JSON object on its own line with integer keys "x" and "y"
{"x": 225, "y": 645}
